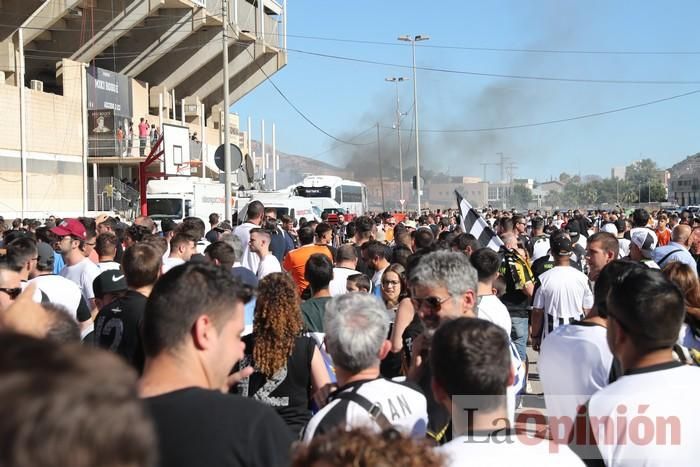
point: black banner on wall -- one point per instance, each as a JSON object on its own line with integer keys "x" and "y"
{"x": 109, "y": 90}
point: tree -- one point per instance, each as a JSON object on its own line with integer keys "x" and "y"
{"x": 564, "y": 177}
{"x": 651, "y": 193}
{"x": 641, "y": 172}
{"x": 520, "y": 196}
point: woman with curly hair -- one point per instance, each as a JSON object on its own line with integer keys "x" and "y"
{"x": 361, "y": 447}
{"x": 289, "y": 368}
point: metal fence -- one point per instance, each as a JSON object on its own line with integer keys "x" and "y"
{"x": 111, "y": 194}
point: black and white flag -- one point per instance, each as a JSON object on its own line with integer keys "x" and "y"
{"x": 474, "y": 224}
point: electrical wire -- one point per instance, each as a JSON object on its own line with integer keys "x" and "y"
{"x": 336, "y": 144}
{"x": 492, "y": 75}
{"x": 563, "y": 120}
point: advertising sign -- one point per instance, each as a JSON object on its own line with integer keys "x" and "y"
{"x": 109, "y": 90}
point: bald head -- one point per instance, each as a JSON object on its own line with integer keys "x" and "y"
{"x": 681, "y": 234}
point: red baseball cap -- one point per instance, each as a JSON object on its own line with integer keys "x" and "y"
{"x": 72, "y": 227}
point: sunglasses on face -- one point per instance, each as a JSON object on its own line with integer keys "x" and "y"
{"x": 434, "y": 303}
{"x": 392, "y": 283}
{"x": 13, "y": 293}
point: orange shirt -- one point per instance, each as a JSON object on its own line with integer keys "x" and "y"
{"x": 664, "y": 237}
{"x": 295, "y": 262}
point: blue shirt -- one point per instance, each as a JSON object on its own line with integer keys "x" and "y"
{"x": 682, "y": 256}
{"x": 58, "y": 263}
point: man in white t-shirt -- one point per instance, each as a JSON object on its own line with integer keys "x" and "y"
{"x": 58, "y": 289}
{"x": 487, "y": 262}
{"x": 345, "y": 264}
{"x": 255, "y": 213}
{"x": 260, "y": 245}
{"x": 649, "y": 416}
{"x": 78, "y": 268}
{"x": 182, "y": 247}
{"x": 356, "y": 326}
{"x": 575, "y": 360}
{"x": 471, "y": 356}
{"x": 563, "y": 296}
{"x": 106, "y": 248}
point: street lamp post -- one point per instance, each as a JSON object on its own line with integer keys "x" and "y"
{"x": 396, "y": 81}
{"x": 413, "y": 41}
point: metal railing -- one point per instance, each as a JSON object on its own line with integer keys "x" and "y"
{"x": 109, "y": 146}
{"x": 111, "y": 194}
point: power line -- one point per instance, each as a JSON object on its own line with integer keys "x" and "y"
{"x": 493, "y": 75}
{"x": 569, "y": 119}
{"x": 336, "y": 144}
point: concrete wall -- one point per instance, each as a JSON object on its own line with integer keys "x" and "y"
{"x": 139, "y": 96}
{"x": 54, "y": 148}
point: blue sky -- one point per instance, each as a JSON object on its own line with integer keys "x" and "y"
{"x": 345, "y": 98}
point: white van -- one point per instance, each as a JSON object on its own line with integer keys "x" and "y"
{"x": 284, "y": 203}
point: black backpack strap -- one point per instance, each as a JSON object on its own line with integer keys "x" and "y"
{"x": 374, "y": 410}
{"x": 668, "y": 255}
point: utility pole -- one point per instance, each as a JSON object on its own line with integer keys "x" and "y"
{"x": 227, "y": 134}
{"x": 502, "y": 165}
{"x": 413, "y": 41}
{"x": 381, "y": 178}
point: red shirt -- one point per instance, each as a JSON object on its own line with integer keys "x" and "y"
{"x": 664, "y": 237}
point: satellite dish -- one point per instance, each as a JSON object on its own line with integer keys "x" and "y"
{"x": 249, "y": 170}
{"x": 236, "y": 157}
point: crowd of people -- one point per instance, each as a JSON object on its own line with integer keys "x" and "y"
{"x": 372, "y": 340}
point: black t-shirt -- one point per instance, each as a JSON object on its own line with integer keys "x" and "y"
{"x": 545, "y": 263}
{"x": 289, "y": 390}
{"x": 392, "y": 364}
{"x": 118, "y": 327}
{"x": 202, "y": 427}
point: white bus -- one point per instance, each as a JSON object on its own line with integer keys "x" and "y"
{"x": 350, "y": 195}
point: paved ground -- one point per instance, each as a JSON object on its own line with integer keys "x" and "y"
{"x": 533, "y": 400}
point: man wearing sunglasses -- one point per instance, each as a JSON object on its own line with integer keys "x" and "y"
{"x": 443, "y": 287}
{"x": 79, "y": 269}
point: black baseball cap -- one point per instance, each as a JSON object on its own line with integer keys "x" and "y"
{"x": 109, "y": 282}
{"x": 560, "y": 245}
